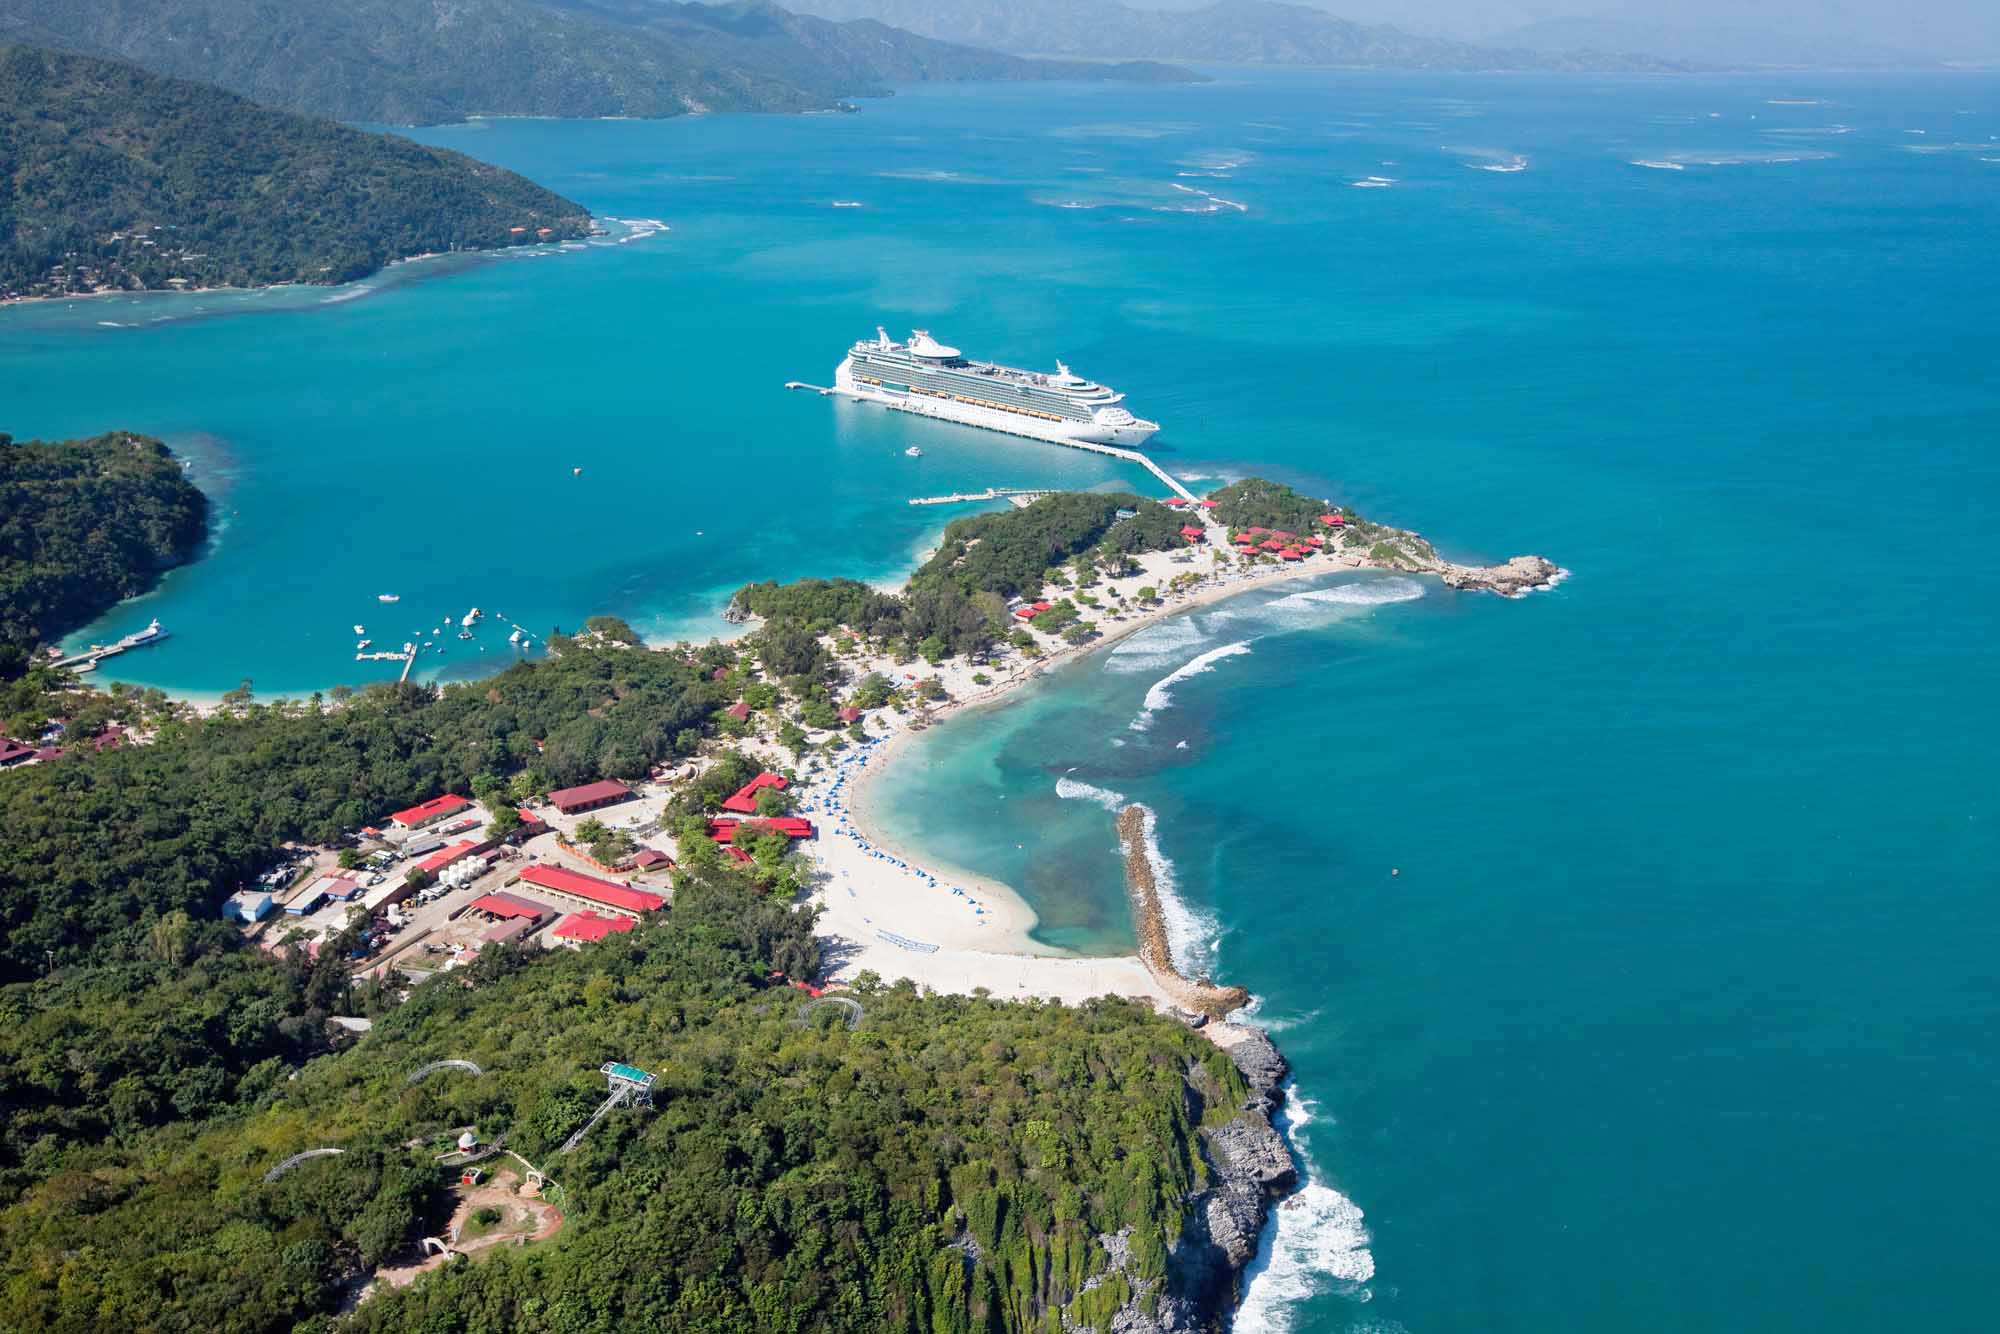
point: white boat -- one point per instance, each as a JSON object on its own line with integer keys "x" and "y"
{"x": 359, "y": 631}
{"x": 514, "y": 638}
{"x": 388, "y": 597}
{"x": 471, "y": 617}
{"x": 914, "y": 452}
{"x": 925, "y": 377}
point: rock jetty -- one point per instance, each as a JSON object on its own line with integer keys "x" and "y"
{"x": 1141, "y": 883}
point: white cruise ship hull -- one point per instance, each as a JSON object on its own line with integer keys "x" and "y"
{"x": 1127, "y": 436}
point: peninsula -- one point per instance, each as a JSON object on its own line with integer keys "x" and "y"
{"x": 930, "y": 1147}
{"x": 119, "y": 180}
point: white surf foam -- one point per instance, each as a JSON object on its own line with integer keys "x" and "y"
{"x": 1162, "y": 693}
{"x": 1071, "y": 789}
{"x": 1490, "y": 159}
{"x": 1657, "y": 165}
{"x": 1154, "y": 647}
{"x": 1318, "y": 1244}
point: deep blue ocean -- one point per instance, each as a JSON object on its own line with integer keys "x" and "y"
{"x": 1633, "y": 942}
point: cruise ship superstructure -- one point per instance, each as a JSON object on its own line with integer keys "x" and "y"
{"x": 926, "y": 377}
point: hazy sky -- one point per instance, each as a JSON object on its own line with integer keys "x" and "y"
{"x": 1953, "y": 29}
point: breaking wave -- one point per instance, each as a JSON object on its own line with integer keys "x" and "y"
{"x": 1317, "y": 1243}
{"x": 1071, "y": 789}
{"x": 1162, "y": 693}
{"x": 1153, "y": 647}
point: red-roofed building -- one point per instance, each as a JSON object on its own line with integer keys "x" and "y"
{"x": 1317, "y": 540}
{"x": 739, "y": 711}
{"x": 719, "y": 674}
{"x": 589, "y": 796}
{"x": 1191, "y": 533}
{"x": 1208, "y": 504}
{"x": 1290, "y": 553}
{"x": 509, "y": 905}
{"x": 1042, "y": 606}
{"x": 738, "y": 853}
{"x": 1174, "y": 502}
{"x": 430, "y": 812}
{"x": 13, "y": 752}
{"x": 850, "y": 714}
{"x": 1254, "y": 532}
{"x": 605, "y": 893}
{"x": 582, "y": 928}
{"x": 1284, "y": 536}
{"x": 1272, "y": 544}
{"x": 1025, "y": 613}
{"x": 652, "y": 859}
{"x": 791, "y": 826}
{"x": 1333, "y": 520}
{"x": 529, "y": 820}
{"x": 744, "y": 799}
{"x": 444, "y": 857}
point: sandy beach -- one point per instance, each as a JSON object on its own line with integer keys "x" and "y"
{"x": 900, "y": 916}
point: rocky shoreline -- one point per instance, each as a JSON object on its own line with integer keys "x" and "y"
{"x": 1250, "y": 1163}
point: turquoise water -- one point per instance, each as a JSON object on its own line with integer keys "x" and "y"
{"x": 1676, "y": 1011}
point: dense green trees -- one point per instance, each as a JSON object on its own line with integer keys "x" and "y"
{"x": 956, "y": 602}
{"x": 84, "y": 523}
{"x": 944, "y": 1166}
{"x": 113, "y": 177}
{"x": 99, "y": 846}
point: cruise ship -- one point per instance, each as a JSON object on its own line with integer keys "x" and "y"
{"x": 926, "y": 377}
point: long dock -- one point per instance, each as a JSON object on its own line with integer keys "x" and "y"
{"x": 97, "y": 653}
{"x": 1114, "y": 451}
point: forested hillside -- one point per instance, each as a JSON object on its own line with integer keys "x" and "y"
{"x": 112, "y": 177}
{"x": 391, "y": 61}
{"x": 943, "y": 1165}
{"x": 84, "y": 523}
{"x": 946, "y": 1165}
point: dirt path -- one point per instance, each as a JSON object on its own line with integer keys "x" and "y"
{"x": 524, "y": 1218}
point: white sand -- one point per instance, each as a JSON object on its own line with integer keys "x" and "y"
{"x": 870, "y": 886}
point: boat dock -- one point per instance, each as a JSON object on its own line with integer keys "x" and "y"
{"x": 96, "y": 653}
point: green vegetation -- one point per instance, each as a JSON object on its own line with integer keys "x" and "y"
{"x": 943, "y": 1167}
{"x": 956, "y": 603}
{"x": 112, "y": 177}
{"x": 99, "y": 847}
{"x": 84, "y": 523}
{"x": 395, "y": 62}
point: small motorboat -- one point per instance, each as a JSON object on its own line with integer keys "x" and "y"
{"x": 914, "y": 452}
{"x": 388, "y": 597}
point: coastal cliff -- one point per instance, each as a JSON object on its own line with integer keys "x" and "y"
{"x": 1250, "y": 1165}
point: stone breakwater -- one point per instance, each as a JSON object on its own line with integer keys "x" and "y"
{"x": 1141, "y": 883}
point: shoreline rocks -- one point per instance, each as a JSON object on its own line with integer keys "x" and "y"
{"x": 1509, "y": 579}
{"x": 1251, "y": 1165}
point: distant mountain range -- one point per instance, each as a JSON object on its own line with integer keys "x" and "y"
{"x": 427, "y": 61}
{"x": 1260, "y": 32}
{"x": 113, "y": 178}
{"x": 1712, "y": 46}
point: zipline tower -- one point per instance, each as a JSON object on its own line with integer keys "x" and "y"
{"x": 635, "y": 1084}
